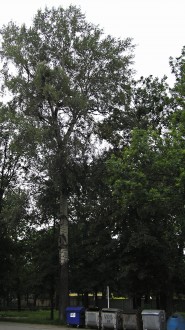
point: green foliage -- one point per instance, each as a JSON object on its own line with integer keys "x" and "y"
{"x": 148, "y": 106}
{"x": 67, "y": 65}
{"x": 146, "y": 179}
{"x": 178, "y": 68}
{"x": 92, "y": 267}
{"x": 44, "y": 270}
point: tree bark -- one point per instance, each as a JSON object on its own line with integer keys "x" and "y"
{"x": 18, "y": 301}
{"x": 136, "y": 302}
{"x": 52, "y": 306}
{"x": 63, "y": 258}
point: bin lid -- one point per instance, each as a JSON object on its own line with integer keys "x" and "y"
{"x": 75, "y": 309}
{"x": 129, "y": 312}
{"x": 111, "y": 310}
{"x": 152, "y": 312}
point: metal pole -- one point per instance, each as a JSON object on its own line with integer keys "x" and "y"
{"x": 108, "y": 296}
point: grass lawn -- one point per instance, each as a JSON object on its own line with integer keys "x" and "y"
{"x": 39, "y": 317}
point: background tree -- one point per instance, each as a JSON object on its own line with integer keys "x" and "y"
{"x": 10, "y": 156}
{"x": 44, "y": 272}
{"x": 149, "y": 106}
{"x": 93, "y": 254}
{"x": 146, "y": 181}
{"x": 12, "y": 198}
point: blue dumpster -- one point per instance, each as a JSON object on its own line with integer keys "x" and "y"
{"x": 75, "y": 316}
{"x": 176, "y": 322}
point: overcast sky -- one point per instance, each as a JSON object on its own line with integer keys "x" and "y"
{"x": 156, "y": 26}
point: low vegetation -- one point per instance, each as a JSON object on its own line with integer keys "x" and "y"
{"x": 27, "y": 316}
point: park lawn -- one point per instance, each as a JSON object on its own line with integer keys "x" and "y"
{"x": 27, "y": 316}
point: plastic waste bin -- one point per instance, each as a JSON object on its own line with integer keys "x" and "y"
{"x": 75, "y": 316}
{"x": 111, "y": 318}
{"x": 93, "y": 318}
{"x": 154, "y": 319}
{"x": 176, "y": 322}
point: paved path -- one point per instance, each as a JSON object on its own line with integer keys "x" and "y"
{"x": 22, "y": 326}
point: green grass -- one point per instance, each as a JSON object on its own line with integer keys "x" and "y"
{"x": 39, "y": 317}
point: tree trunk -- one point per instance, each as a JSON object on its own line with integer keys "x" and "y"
{"x": 63, "y": 258}
{"x": 52, "y": 306}
{"x": 95, "y": 298}
{"x": 18, "y": 301}
{"x": 163, "y": 299}
{"x": 86, "y": 300}
{"x": 136, "y": 302}
{"x": 35, "y": 301}
{"x": 167, "y": 300}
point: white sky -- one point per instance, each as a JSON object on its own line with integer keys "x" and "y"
{"x": 156, "y": 26}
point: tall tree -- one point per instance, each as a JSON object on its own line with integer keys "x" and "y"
{"x": 67, "y": 76}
